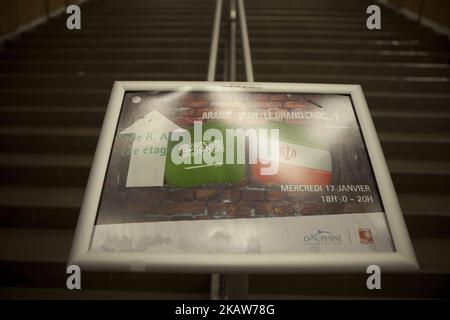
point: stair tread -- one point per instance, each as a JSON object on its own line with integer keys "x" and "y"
{"x": 419, "y": 137}
{"x": 411, "y": 114}
{"x": 45, "y": 160}
{"x": 36, "y": 245}
{"x": 63, "y": 293}
{"x": 428, "y": 167}
{"x": 32, "y": 196}
{"x": 425, "y": 204}
{"x": 57, "y": 131}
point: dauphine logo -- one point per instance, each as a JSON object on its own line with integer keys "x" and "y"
{"x": 323, "y": 237}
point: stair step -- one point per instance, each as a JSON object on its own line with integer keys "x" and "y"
{"x": 417, "y": 102}
{"x": 44, "y": 169}
{"x": 354, "y": 68}
{"x": 413, "y": 122}
{"x": 46, "y": 97}
{"x": 82, "y": 54}
{"x": 24, "y": 249}
{"x": 415, "y": 146}
{"x": 35, "y": 245}
{"x": 256, "y": 31}
{"x": 325, "y": 25}
{"x": 385, "y": 83}
{"x": 426, "y": 176}
{"x": 39, "y": 207}
{"x": 349, "y": 55}
{"x": 86, "y": 81}
{"x": 62, "y": 293}
{"x": 112, "y": 42}
{"x": 48, "y": 139}
{"x": 389, "y": 101}
{"x": 129, "y": 33}
{"x": 26, "y": 116}
{"x": 111, "y": 66}
{"x": 102, "y": 79}
{"x": 257, "y": 53}
{"x": 41, "y": 197}
{"x": 426, "y": 215}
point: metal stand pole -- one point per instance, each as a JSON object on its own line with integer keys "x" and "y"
{"x": 214, "y": 42}
{"x": 235, "y": 286}
{"x": 232, "y": 47}
{"x": 230, "y": 286}
{"x": 245, "y": 42}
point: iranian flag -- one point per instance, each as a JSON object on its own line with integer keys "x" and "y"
{"x": 304, "y": 158}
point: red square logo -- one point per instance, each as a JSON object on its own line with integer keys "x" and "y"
{"x": 365, "y": 236}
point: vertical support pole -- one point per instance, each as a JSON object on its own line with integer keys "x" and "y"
{"x": 230, "y": 286}
{"x": 226, "y": 59}
{"x": 214, "y": 42}
{"x": 232, "y": 42}
{"x": 245, "y": 42}
{"x": 47, "y": 10}
{"x": 215, "y": 287}
{"x": 215, "y": 277}
{"x": 420, "y": 12}
{"x": 237, "y": 284}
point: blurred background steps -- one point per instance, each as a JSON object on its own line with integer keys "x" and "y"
{"x": 54, "y": 88}
{"x": 403, "y": 69}
{"x": 34, "y": 244}
{"x": 55, "y": 85}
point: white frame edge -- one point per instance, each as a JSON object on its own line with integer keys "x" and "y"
{"x": 403, "y": 259}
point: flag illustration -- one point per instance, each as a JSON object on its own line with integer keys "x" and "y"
{"x": 198, "y": 174}
{"x": 303, "y": 159}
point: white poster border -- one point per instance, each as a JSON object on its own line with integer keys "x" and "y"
{"x": 402, "y": 259}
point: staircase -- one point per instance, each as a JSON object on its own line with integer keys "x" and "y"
{"x": 54, "y": 88}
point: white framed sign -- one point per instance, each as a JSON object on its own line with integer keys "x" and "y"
{"x": 239, "y": 177}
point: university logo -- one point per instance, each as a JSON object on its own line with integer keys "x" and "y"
{"x": 323, "y": 237}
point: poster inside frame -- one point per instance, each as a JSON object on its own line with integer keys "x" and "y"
{"x": 324, "y": 202}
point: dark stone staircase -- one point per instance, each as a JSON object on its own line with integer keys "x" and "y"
{"x": 54, "y": 88}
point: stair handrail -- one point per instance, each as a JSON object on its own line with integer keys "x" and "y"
{"x": 214, "y": 42}
{"x": 245, "y": 42}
